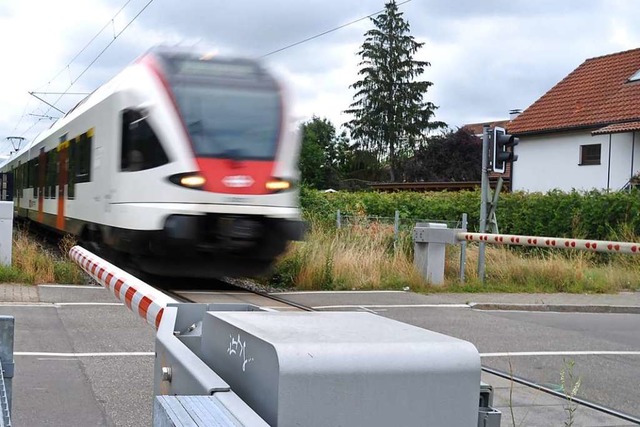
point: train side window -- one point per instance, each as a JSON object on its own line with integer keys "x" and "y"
{"x": 18, "y": 180}
{"x": 52, "y": 169}
{"x": 141, "y": 148}
{"x": 47, "y": 162}
{"x": 14, "y": 172}
{"x": 83, "y": 158}
{"x": 34, "y": 177}
{"x": 71, "y": 175}
{"x": 46, "y": 174}
{"x": 28, "y": 174}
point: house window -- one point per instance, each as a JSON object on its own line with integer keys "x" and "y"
{"x": 590, "y": 154}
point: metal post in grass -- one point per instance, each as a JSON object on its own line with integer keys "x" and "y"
{"x": 483, "y": 197}
{"x": 396, "y": 228}
{"x": 463, "y": 249}
{"x": 338, "y": 219}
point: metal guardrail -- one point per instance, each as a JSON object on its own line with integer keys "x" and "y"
{"x": 6, "y": 368}
{"x": 5, "y": 419}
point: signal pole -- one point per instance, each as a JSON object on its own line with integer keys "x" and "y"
{"x": 483, "y": 197}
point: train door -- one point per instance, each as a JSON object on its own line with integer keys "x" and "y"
{"x": 42, "y": 168}
{"x": 63, "y": 169}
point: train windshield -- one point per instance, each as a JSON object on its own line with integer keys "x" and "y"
{"x": 230, "y": 122}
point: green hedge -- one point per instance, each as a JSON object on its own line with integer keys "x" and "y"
{"x": 593, "y": 215}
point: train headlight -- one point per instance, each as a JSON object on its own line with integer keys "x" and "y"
{"x": 275, "y": 185}
{"x": 190, "y": 180}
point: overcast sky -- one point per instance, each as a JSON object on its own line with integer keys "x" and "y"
{"x": 487, "y": 57}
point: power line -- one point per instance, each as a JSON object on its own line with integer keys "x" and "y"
{"x": 44, "y": 116}
{"x": 66, "y": 67}
{"x": 58, "y": 93}
{"x": 52, "y": 105}
{"x": 90, "y": 41}
{"x": 115, "y": 37}
{"x": 328, "y": 31}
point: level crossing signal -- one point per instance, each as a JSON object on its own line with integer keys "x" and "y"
{"x": 503, "y": 144}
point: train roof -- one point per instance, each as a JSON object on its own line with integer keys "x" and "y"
{"x": 175, "y": 61}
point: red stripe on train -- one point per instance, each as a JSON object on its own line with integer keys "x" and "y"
{"x": 236, "y": 176}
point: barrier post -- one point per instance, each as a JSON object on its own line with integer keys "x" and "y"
{"x": 429, "y": 251}
{"x": 463, "y": 249}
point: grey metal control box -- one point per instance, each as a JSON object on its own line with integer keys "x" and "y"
{"x": 349, "y": 369}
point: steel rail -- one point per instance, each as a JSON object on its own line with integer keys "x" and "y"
{"x": 579, "y": 401}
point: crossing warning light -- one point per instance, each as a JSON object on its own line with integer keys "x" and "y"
{"x": 503, "y": 144}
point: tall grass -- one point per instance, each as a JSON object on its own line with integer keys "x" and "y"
{"x": 33, "y": 264}
{"x": 357, "y": 257}
{"x": 363, "y": 256}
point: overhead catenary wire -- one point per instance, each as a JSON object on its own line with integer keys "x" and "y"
{"x": 103, "y": 51}
{"x": 328, "y": 31}
{"x": 109, "y": 22}
{"x": 67, "y": 67}
{"x": 116, "y": 35}
{"x": 58, "y": 93}
{"x": 61, "y": 94}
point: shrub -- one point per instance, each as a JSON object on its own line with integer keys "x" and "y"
{"x": 593, "y": 214}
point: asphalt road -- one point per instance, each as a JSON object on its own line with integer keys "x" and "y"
{"x": 81, "y": 390}
{"x": 93, "y": 386}
{"x": 609, "y": 380}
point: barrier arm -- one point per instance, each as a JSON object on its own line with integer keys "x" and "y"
{"x": 141, "y": 298}
{"x": 552, "y": 242}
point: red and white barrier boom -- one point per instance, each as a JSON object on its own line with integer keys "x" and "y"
{"x": 552, "y": 242}
{"x": 146, "y": 301}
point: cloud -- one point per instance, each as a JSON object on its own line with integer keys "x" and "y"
{"x": 487, "y": 57}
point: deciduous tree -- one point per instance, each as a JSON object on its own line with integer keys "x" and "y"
{"x": 323, "y": 154}
{"x": 452, "y": 156}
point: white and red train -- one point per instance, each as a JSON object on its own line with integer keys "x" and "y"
{"x": 183, "y": 163}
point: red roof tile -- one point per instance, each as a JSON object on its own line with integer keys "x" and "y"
{"x": 618, "y": 128}
{"x": 476, "y": 128}
{"x": 595, "y": 93}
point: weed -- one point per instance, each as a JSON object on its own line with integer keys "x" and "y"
{"x": 66, "y": 243}
{"x": 33, "y": 264}
{"x": 570, "y": 386}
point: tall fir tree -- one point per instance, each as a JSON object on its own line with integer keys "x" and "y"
{"x": 390, "y": 115}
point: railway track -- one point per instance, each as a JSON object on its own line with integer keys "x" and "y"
{"x": 228, "y": 292}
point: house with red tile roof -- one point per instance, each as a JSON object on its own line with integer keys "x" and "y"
{"x": 584, "y": 133}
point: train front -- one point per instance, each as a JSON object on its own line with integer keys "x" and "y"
{"x": 239, "y": 197}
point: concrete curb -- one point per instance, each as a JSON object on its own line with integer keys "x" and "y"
{"x": 559, "y": 308}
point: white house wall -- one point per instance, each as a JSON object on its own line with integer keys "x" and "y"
{"x": 552, "y": 161}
